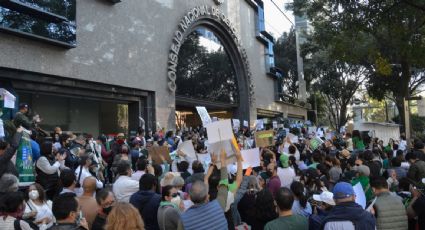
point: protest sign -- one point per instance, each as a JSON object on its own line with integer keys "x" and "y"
{"x": 236, "y": 124}
{"x": 274, "y": 124}
{"x": 293, "y": 138}
{"x": 259, "y": 124}
{"x": 226, "y": 146}
{"x": 2, "y": 134}
{"x": 312, "y": 130}
{"x": 264, "y": 138}
{"x": 203, "y": 113}
{"x": 24, "y": 161}
{"x": 245, "y": 123}
{"x": 315, "y": 143}
{"x": 205, "y": 159}
{"x": 251, "y": 158}
{"x": 219, "y": 131}
{"x": 8, "y": 98}
{"x": 214, "y": 119}
{"x": 188, "y": 149}
{"x": 156, "y": 151}
{"x": 360, "y": 195}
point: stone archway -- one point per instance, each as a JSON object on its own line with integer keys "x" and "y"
{"x": 215, "y": 20}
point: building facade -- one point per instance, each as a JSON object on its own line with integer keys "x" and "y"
{"x": 95, "y": 66}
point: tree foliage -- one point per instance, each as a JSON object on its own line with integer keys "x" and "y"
{"x": 385, "y": 36}
{"x": 285, "y": 52}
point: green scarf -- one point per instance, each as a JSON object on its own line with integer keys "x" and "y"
{"x": 168, "y": 203}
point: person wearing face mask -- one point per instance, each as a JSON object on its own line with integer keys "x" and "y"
{"x": 12, "y": 210}
{"x": 122, "y": 156}
{"x": 274, "y": 182}
{"x": 66, "y": 210}
{"x": 105, "y": 199}
{"x": 38, "y": 208}
{"x": 169, "y": 208}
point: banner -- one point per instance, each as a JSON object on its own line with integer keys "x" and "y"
{"x": 251, "y": 158}
{"x": 203, "y": 113}
{"x": 24, "y": 161}
{"x": 315, "y": 143}
{"x": 264, "y": 138}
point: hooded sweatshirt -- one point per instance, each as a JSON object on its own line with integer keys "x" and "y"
{"x": 350, "y": 211}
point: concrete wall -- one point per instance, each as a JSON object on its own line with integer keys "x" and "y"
{"x": 127, "y": 44}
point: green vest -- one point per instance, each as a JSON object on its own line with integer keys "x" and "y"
{"x": 391, "y": 213}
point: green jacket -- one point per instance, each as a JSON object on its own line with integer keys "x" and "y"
{"x": 364, "y": 181}
{"x": 22, "y": 119}
{"x": 358, "y": 143}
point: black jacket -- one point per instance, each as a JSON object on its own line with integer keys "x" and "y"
{"x": 147, "y": 202}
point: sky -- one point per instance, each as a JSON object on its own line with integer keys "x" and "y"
{"x": 274, "y": 15}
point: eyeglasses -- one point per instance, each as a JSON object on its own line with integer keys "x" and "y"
{"x": 174, "y": 195}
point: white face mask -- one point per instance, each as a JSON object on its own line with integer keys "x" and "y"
{"x": 176, "y": 200}
{"x": 33, "y": 195}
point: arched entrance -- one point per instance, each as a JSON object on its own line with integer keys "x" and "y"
{"x": 210, "y": 72}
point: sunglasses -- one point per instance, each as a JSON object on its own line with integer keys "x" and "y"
{"x": 174, "y": 195}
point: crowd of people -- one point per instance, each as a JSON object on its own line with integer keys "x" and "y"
{"x": 113, "y": 183}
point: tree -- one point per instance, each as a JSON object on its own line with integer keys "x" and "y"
{"x": 376, "y": 34}
{"x": 285, "y": 53}
{"x": 336, "y": 82}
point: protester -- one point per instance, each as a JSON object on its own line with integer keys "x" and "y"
{"x": 362, "y": 177}
{"x": 69, "y": 182}
{"x": 87, "y": 201}
{"x": 47, "y": 168}
{"x": 388, "y": 208}
{"x": 124, "y": 187}
{"x": 124, "y": 216}
{"x": 38, "y": 209}
{"x": 417, "y": 167}
{"x": 416, "y": 208}
{"x": 286, "y": 174}
{"x": 21, "y": 118}
{"x": 287, "y": 220}
{"x": 204, "y": 214}
{"x": 147, "y": 201}
{"x": 9, "y": 183}
{"x": 83, "y": 171}
{"x": 300, "y": 205}
{"x": 7, "y": 152}
{"x": 141, "y": 169}
{"x": 347, "y": 214}
{"x": 67, "y": 213}
{"x": 169, "y": 209}
{"x": 105, "y": 200}
{"x": 11, "y": 211}
{"x": 325, "y": 203}
{"x": 274, "y": 181}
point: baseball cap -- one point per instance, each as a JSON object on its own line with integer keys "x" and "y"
{"x": 326, "y": 197}
{"x": 284, "y": 160}
{"x": 23, "y": 106}
{"x": 343, "y": 190}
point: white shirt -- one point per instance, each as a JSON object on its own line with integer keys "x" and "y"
{"x": 124, "y": 187}
{"x": 286, "y": 176}
{"x": 43, "y": 211}
{"x": 85, "y": 173}
{"x": 137, "y": 175}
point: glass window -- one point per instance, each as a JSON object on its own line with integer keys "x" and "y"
{"x": 52, "y": 21}
{"x": 205, "y": 70}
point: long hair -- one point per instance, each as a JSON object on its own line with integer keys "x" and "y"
{"x": 124, "y": 216}
{"x": 298, "y": 189}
